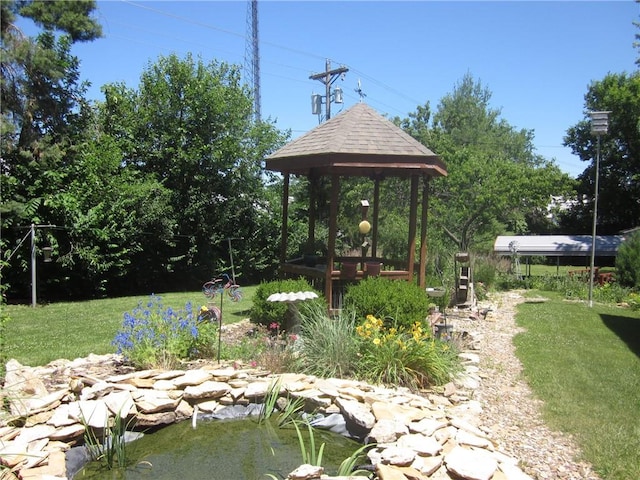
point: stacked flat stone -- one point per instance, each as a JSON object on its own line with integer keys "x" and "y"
{"x": 433, "y": 434}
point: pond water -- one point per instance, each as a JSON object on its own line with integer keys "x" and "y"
{"x": 234, "y": 449}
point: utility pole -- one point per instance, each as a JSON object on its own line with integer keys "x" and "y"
{"x": 599, "y": 127}
{"x": 328, "y": 77}
{"x": 252, "y": 56}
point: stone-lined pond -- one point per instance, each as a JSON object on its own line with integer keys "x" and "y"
{"x": 223, "y": 449}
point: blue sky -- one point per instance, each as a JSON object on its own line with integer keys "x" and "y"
{"x": 537, "y": 58}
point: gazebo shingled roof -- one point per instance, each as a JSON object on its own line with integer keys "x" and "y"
{"x": 358, "y": 141}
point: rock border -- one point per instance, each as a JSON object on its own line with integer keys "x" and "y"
{"x": 431, "y": 434}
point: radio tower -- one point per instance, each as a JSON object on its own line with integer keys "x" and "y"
{"x": 252, "y": 56}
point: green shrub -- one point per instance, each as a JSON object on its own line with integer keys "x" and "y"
{"x": 610, "y": 293}
{"x": 273, "y": 314}
{"x": 628, "y": 262}
{"x": 633, "y": 299}
{"x": 506, "y": 281}
{"x": 399, "y": 300}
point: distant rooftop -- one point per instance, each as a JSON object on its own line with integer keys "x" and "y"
{"x": 557, "y": 245}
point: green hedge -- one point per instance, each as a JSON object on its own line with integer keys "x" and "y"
{"x": 399, "y": 300}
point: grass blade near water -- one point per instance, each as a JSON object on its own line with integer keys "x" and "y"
{"x": 584, "y": 363}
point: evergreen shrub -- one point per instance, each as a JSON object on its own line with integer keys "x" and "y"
{"x": 402, "y": 301}
{"x": 628, "y": 262}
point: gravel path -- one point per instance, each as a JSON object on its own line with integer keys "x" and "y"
{"x": 510, "y": 411}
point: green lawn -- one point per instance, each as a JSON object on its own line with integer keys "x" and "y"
{"x": 36, "y": 336}
{"x": 585, "y": 364}
{"x": 562, "y": 270}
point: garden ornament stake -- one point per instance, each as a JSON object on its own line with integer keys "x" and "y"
{"x": 218, "y": 285}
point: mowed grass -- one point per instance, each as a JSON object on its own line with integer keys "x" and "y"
{"x": 36, "y": 336}
{"x": 584, "y": 363}
{"x": 562, "y": 270}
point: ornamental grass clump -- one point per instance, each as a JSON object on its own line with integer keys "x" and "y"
{"x": 154, "y": 336}
{"x": 395, "y": 355}
{"x": 329, "y": 347}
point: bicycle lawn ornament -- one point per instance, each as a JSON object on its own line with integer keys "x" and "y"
{"x": 222, "y": 285}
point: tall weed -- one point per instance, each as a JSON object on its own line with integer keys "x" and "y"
{"x": 111, "y": 450}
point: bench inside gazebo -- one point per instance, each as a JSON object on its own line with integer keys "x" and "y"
{"x": 356, "y": 143}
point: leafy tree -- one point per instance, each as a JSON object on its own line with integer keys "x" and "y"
{"x": 496, "y": 182}
{"x": 118, "y": 226}
{"x": 43, "y": 111}
{"x": 189, "y": 124}
{"x": 636, "y": 43}
{"x": 59, "y": 169}
{"x": 619, "y": 173}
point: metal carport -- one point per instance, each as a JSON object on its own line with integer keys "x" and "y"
{"x": 557, "y": 245}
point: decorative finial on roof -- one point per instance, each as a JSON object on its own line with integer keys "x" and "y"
{"x": 360, "y": 92}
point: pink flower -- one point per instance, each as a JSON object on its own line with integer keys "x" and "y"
{"x": 293, "y": 337}
{"x": 274, "y": 326}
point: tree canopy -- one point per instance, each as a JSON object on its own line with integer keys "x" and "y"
{"x": 143, "y": 188}
{"x": 496, "y": 181}
{"x": 619, "y": 173}
{"x": 190, "y": 126}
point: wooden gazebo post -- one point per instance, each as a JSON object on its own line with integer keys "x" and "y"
{"x": 285, "y": 219}
{"x": 413, "y": 213}
{"x": 376, "y": 215}
{"x": 313, "y": 193}
{"x": 333, "y": 230}
{"x": 422, "y": 281}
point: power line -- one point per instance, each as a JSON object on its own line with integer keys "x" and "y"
{"x": 276, "y": 45}
{"x": 360, "y": 73}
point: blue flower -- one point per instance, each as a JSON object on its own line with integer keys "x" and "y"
{"x": 129, "y": 321}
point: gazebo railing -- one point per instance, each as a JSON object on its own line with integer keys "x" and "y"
{"x": 346, "y": 271}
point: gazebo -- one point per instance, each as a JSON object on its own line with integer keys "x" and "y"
{"x": 358, "y": 142}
